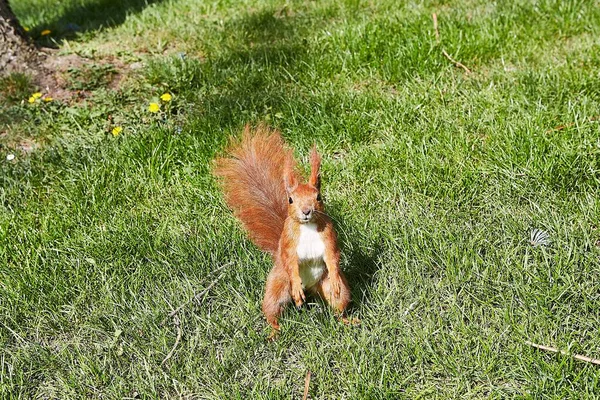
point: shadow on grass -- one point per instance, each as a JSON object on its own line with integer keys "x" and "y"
{"x": 85, "y": 16}
{"x": 254, "y": 80}
{"x": 251, "y": 79}
{"x": 360, "y": 272}
{"x": 360, "y": 256}
{"x": 257, "y": 75}
{"x": 276, "y": 48}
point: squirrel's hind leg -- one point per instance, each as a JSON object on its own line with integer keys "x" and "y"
{"x": 277, "y": 295}
{"x": 338, "y": 303}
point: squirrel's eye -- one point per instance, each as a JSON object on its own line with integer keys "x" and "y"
{"x": 290, "y": 200}
{"x": 319, "y": 197}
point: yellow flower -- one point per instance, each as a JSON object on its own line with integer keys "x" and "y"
{"x": 166, "y": 97}
{"x": 116, "y": 130}
{"x": 31, "y": 100}
{"x": 153, "y": 107}
{"x": 36, "y": 95}
{"x": 48, "y": 98}
{"x": 45, "y": 32}
{"x": 26, "y": 29}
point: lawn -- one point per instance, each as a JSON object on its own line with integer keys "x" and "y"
{"x": 435, "y": 174}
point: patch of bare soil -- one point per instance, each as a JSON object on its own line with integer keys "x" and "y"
{"x": 70, "y": 77}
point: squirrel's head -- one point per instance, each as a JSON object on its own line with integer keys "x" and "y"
{"x": 305, "y": 198}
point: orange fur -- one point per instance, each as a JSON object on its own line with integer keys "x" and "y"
{"x": 315, "y": 167}
{"x": 262, "y": 187}
{"x": 252, "y": 178}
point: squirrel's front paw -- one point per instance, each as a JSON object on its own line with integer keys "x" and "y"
{"x": 298, "y": 293}
{"x": 334, "y": 282}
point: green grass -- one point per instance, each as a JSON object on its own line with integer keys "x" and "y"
{"x": 435, "y": 178}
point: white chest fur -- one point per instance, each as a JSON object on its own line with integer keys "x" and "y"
{"x": 310, "y": 243}
{"x": 310, "y": 250}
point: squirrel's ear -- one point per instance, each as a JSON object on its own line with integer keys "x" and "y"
{"x": 315, "y": 166}
{"x": 289, "y": 178}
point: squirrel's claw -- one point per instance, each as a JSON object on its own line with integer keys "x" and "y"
{"x": 274, "y": 330}
{"x": 335, "y": 286}
{"x": 273, "y": 335}
{"x": 298, "y": 294}
{"x": 353, "y": 321}
{"x": 299, "y": 298}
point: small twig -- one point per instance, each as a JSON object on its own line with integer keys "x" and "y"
{"x": 570, "y": 124}
{"x": 15, "y": 334}
{"x": 177, "y": 321}
{"x": 456, "y": 63}
{"x": 196, "y": 296}
{"x": 444, "y": 52}
{"x": 555, "y": 350}
{"x": 200, "y": 294}
{"x": 177, "y": 324}
{"x": 306, "y": 385}
{"x": 435, "y": 27}
{"x": 560, "y": 127}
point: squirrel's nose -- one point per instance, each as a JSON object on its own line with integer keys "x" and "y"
{"x": 306, "y": 211}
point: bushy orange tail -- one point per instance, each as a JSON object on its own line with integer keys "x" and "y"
{"x": 253, "y": 182}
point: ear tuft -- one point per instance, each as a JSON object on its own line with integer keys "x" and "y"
{"x": 289, "y": 177}
{"x": 315, "y": 167}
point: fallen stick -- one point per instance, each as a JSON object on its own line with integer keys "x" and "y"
{"x": 555, "y": 350}
{"x": 435, "y": 28}
{"x": 200, "y": 294}
{"x": 196, "y": 296}
{"x": 306, "y": 385}
{"x": 177, "y": 321}
{"x": 456, "y": 63}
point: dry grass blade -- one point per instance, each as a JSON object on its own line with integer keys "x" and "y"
{"x": 306, "y": 385}
{"x": 435, "y": 27}
{"x": 196, "y": 296}
{"x": 555, "y": 350}
{"x": 177, "y": 321}
{"x": 177, "y": 324}
{"x": 444, "y": 52}
{"x": 200, "y": 294}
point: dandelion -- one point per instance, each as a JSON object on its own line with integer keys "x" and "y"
{"x": 154, "y": 107}
{"x": 45, "y": 32}
{"x": 31, "y": 100}
{"x": 166, "y": 97}
{"x": 36, "y": 95}
{"x": 116, "y": 131}
{"x": 539, "y": 238}
{"x": 47, "y": 99}
{"x": 10, "y": 157}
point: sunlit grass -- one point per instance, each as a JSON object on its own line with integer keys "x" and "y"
{"x": 436, "y": 179}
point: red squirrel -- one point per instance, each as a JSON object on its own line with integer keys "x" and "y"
{"x": 285, "y": 218}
